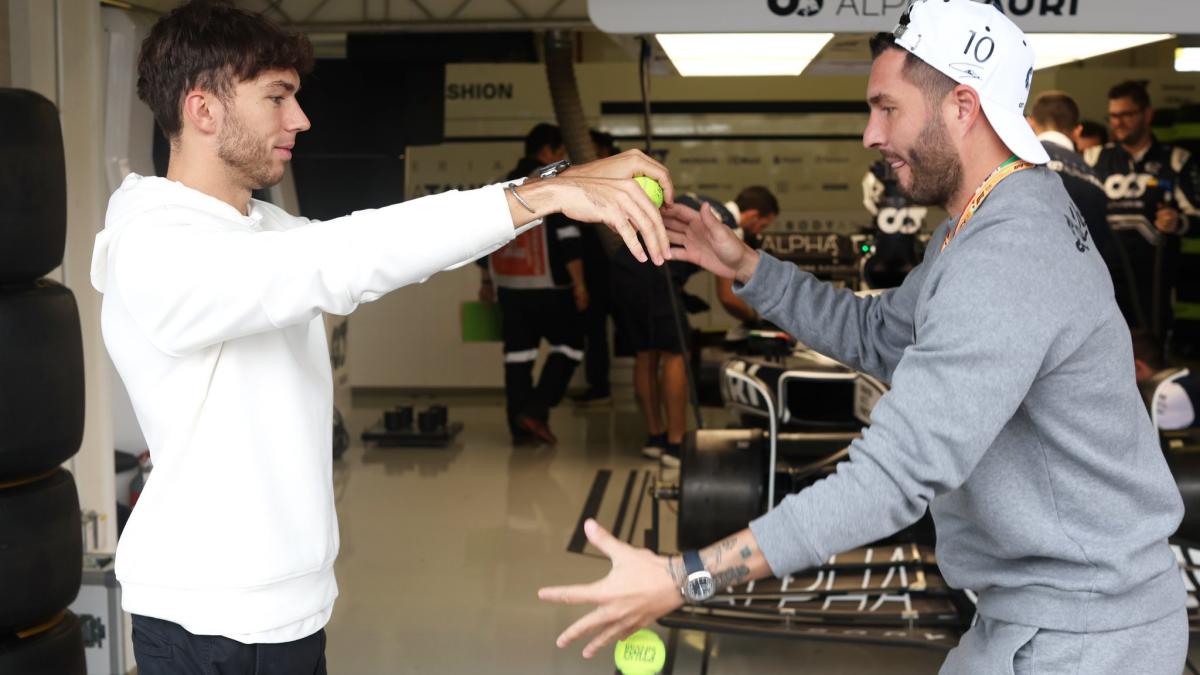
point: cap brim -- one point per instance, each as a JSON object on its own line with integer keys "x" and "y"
{"x": 1015, "y": 131}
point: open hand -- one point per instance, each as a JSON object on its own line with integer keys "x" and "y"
{"x": 699, "y": 237}
{"x": 637, "y": 590}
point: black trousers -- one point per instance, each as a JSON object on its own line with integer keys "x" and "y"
{"x": 596, "y": 362}
{"x": 527, "y": 317}
{"x": 165, "y": 648}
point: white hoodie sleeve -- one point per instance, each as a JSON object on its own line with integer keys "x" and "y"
{"x": 190, "y": 285}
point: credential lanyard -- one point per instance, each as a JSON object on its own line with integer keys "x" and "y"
{"x": 1008, "y": 168}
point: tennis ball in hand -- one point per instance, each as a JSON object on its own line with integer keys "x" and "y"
{"x": 642, "y": 653}
{"x": 652, "y": 188}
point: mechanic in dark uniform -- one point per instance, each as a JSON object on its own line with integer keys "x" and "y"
{"x": 652, "y": 312}
{"x": 754, "y": 209}
{"x": 596, "y": 362}
{"x": 1054, "y": 117}
{"x": 538, "y": 279}
{"x": 896, "y": 222}
{"x": 1153, "y": 189}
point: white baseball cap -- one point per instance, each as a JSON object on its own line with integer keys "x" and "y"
{"x": 975, "y": 44}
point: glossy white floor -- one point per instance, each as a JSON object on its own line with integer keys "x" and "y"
{"x": 443, "y": 551}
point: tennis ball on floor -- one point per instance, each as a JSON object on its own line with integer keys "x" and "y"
{"x": 652, "y": 188}
{"x": 642, "y": 653}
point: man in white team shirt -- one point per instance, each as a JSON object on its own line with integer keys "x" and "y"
{"x": 212, "y": 314}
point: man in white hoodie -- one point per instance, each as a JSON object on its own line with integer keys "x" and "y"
{"x": 212, "y": 314}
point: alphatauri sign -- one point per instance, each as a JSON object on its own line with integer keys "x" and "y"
{"x": 867, "y": 16}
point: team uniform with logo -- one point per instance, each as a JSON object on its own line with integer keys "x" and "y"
{"x": 896, "y": 223}
{"x": 536, "y": 302}
{"x": 1135, "y": 187}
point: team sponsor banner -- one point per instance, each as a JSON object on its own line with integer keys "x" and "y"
{"x": 861, "y": 16}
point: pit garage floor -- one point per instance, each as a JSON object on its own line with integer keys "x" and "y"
{"x": 443, "y": 551}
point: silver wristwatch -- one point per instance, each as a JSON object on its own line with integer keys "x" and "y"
{"x": 698, "y": 586}
{"x": 552, "y": 170}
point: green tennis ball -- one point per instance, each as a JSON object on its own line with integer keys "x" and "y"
{"x": 642, "y": 653}
{"x": 652, "y": 188}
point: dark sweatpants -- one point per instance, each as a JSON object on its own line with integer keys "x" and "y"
{"x": 528, "y": 316}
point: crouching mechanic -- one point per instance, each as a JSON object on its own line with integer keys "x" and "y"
{"x": 1012, "y": 414}
{"x": 212, "y": 315}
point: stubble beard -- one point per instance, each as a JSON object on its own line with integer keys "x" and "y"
{"x": 934, "y": 166}
{"x": 248, "y": 159}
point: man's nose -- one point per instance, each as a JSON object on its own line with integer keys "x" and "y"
{"x": 873, "y": 136}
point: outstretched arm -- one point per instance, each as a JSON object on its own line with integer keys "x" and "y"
{"x": 867, "y": 334}
{"x": 643, "y": 586}
{"x": 190, "y": 286}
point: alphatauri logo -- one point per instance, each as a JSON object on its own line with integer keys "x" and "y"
{"x": 795, "y": 7}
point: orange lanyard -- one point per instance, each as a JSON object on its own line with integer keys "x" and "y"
{"x": 1003, "y": 171}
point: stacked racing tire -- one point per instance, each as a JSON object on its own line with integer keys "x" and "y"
{"x": 41, "y": 399}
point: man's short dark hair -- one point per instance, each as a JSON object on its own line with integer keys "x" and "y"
{"x": 603, "y": 140}
{"x": 1090, "y": 129}
{"x": 759, "y": 198}
{"x": 931, "y": 81}
{"x": 1132, "y": 90}
{"x": 540, "y": 136}
{"x": 1055, "y": 110}
{"x": 211, "y": 45}
{"x": 1146, "y": 348}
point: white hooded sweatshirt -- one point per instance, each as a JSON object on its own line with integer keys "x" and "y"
{"x": 214, "y": 322}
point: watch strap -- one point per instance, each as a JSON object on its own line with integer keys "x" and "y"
{"x": 692, "y": 562}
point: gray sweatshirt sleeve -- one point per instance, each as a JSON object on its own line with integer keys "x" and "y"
{"x": 868, "y": 334}
{"x": 981, "y": 339}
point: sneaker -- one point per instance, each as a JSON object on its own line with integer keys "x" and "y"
{"x": 653, "y": 448}
{"x": 537, "y": 428}
{"x": 592, "y": 397}
{"x": 670, "y": 455}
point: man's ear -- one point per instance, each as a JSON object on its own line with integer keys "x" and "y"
{"x": 202, "y": 110}
{"x": 966, "y": 104}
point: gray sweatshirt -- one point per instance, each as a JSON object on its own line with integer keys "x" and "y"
{"x": 1013, "y": 415}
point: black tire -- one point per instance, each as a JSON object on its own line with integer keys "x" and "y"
{"x": 57, "y": 650}
{"x": 722, "y": 484}
{"x": 33, "y": 187}
{"x": 41, "y": 551}
{"x": 41, "y": 366}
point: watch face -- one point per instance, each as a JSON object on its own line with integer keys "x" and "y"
{"x": 700, "y": 587}
{"x": 552, "y": 170}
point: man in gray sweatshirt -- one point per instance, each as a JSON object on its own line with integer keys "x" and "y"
{"x": 1013, "y": 413}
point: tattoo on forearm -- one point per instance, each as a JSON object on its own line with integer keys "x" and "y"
{"x": 713, "y": 554}
{"x": 746, "y": 553}
{"x": 731, "y": 576}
